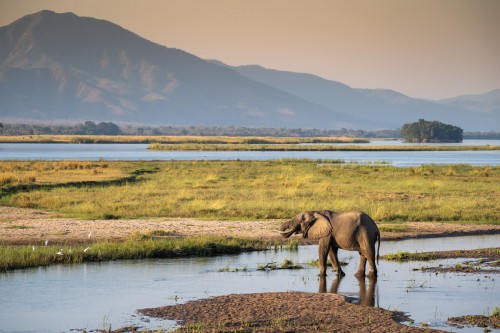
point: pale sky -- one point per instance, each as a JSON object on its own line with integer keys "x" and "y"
{"x": 423, "y": 48}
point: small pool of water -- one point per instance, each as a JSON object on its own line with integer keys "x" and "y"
{"x": 94, "y": 295}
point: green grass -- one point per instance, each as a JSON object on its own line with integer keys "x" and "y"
{"x": 399, "y": 227}
{"x": 15, "y": 257}
{"x": 234, "y": 190}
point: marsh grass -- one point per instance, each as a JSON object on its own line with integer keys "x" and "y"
{"x": 232, "y": 190}
{"x": 253, "y": 190}
{"x": 60, "y": 172}
{"x": 14, "y": 257}
{"x": 291, "y": 146}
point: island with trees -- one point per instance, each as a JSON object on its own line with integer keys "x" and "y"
{"x": 431, "y": 131}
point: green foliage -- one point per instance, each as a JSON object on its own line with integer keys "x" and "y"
{"x": 496, "y": 312}
{"x": 431, "y": 131}
{"x": 399, "y": 256}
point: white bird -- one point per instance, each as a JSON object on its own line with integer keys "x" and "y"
{"x": 60, "y": 253}
{"x": 46, "y": 242}
{"x": 33, "y": 247}
{"x": 86, "y": 249}
{"x": 90, "y": 234}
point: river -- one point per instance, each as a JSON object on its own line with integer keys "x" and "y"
{"x": 92, "y": 295}
{"x": 127, "y": 152}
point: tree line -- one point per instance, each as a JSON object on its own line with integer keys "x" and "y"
{"x": 90, "y": 128}
{"x": 109, "y": 128}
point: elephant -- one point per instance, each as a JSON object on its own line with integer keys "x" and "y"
{"x": 352, "y": 231}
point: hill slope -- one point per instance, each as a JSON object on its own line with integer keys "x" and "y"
{"x": 65, "y": 67}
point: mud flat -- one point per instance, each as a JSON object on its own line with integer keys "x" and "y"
{"x": 282, "y": 312}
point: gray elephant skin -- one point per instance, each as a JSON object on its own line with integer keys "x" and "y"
{"x": 352, "y": 231}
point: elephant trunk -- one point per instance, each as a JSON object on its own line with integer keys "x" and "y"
{"x": 288, "y": 228}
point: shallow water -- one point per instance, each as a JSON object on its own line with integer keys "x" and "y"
{"x": 93, "y": 295}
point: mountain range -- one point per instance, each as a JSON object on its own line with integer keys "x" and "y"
{"x": 62, "y": 67}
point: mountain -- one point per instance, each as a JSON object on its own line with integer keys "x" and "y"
{"x": 488, "y": 103}
{"x": 388, "y": 108}
{"x": 65, "y": 67}
{"x": 62, "y": 67}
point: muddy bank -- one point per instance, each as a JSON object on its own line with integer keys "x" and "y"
{"x": 475, "y": 320}
{"x": 29, "y": 226}
{"x": 281, "y": 312}
{"x": 486, "y": 260}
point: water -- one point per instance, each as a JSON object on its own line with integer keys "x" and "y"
{"x": 40, "y": 151}
{"x": 59, "y": 298}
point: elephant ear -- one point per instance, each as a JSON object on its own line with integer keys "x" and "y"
{"x": 320, "y": 228}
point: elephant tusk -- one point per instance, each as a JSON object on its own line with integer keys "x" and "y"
{"x": 283, "y": 232}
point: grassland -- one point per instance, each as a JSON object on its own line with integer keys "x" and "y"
{"x": 61, "y": 172}
{"x": 253, "y": 190}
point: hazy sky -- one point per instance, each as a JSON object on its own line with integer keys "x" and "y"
{"x": 423, "y": 48}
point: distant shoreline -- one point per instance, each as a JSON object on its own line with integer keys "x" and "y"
{"x": 244, "y": 143}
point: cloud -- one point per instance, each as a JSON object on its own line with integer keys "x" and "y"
{"x": 151, "y": 97}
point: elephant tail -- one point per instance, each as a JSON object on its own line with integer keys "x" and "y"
{"x": 378, "y": 247}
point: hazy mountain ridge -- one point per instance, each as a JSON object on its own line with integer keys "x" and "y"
{"x": 66, "y": 67}
{"x": 382, "y": 105}
{"x": 488, "y": 102}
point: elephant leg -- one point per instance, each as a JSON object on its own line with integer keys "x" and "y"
{"x": 323, "y": 248}
{"x": 361, "y": 267}
{"x": 335, "y": 260}
{"x": 373, "y": 267}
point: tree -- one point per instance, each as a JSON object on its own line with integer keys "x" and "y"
{"x": 431, "y": 131}
{"x": 107, "y": 129}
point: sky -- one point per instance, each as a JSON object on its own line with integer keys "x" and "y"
{"x": 431, "y": 49}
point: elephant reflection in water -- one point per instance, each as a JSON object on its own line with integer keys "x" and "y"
{"x": 366, "y": 295}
